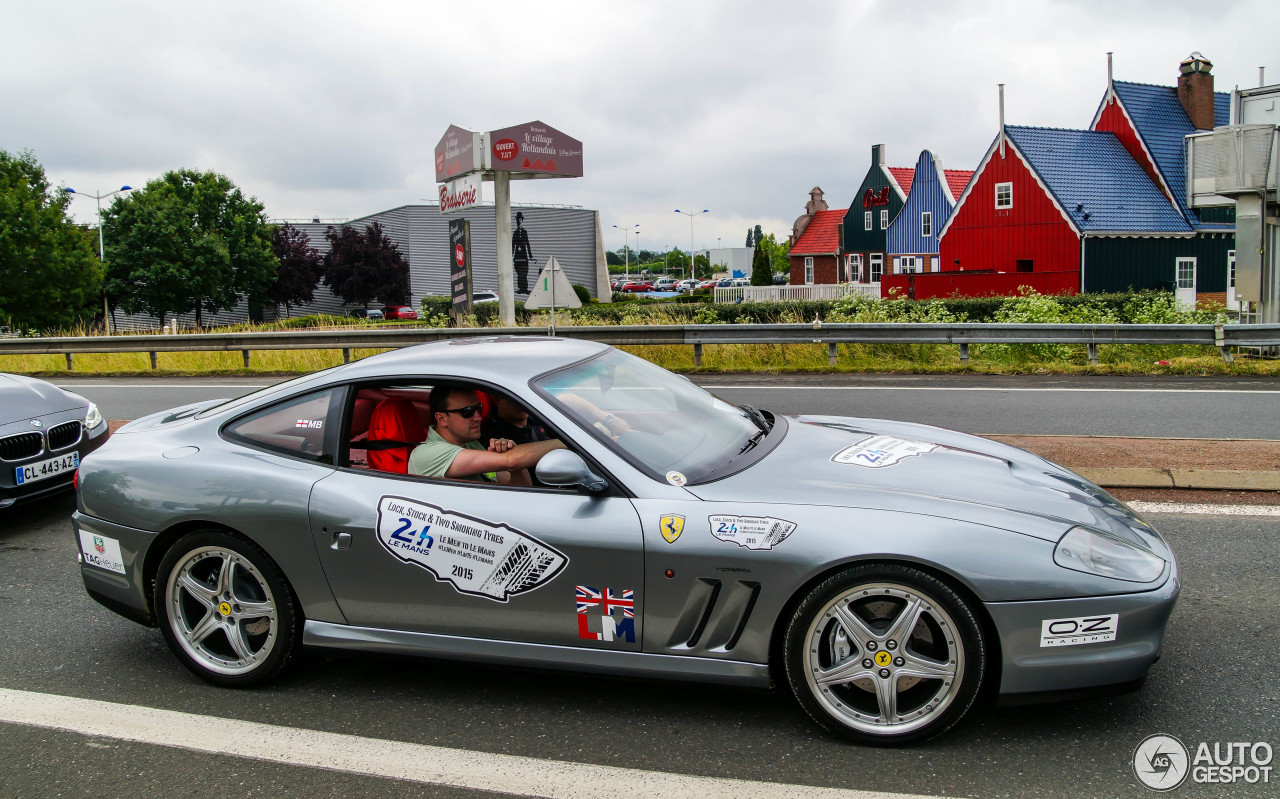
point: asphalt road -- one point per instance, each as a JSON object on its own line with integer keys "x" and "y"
{"x": 1216, "y": 682}
{"x": 1162, "y": 407}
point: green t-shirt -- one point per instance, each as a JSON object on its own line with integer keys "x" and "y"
{"x": 433, "y": 457}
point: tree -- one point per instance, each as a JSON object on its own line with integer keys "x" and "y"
{"x": 676, "y": 261}
{"x": 612, "y": 258}
{"x": 49, "y": 270}
{"x": 701, "y": 266}
{"x": 751, "y": 242}
{"x": 758, "y": 237}
{"x": 363, "y": 266}
{"x": 301, "y": 268}
{"x": 188, "y": 241}
{"x": 761, "y": 268}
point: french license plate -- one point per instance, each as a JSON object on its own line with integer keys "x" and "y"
{"x": 43, "y": 470}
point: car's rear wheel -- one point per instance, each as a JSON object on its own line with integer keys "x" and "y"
{"x": 885, "y": 655}
{"x": 225, "y": 609}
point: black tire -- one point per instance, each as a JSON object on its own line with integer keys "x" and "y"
{"x": 226, "y": 609}
{"x": 928, "y": 679}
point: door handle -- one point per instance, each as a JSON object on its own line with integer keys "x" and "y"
{"x": 341, "y": 540}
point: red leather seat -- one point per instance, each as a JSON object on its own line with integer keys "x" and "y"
{"x": 394, "y": 420}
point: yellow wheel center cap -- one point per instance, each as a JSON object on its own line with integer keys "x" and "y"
{"x": 883, "y": 658}
{"x": 225, "y": 610}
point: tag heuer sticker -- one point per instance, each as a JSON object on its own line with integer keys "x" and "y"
{"x": 876, "y": 452}
{"x": 671, "y": 526}
{"x": 752, "y": 532}
{"x": 103, "y": 552}
{"x": 475, "y": 556}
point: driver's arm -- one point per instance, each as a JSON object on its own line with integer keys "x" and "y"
{"x": 470, "y": 462}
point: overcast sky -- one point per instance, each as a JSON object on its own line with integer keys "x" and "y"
{"x": 333, "y": 109}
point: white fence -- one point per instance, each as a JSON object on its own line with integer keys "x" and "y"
{"x": 817, "y": 291}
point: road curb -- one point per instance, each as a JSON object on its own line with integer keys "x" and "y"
{"x": 1215, "y": 479}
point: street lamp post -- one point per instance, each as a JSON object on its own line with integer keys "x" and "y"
{"x": 626, "y": 239}
{"x": 102, "y": 256}
{"x": 691, "y": 215}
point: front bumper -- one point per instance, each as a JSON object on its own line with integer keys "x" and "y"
{"x": 125, "y": 593}
{"x": 1031, "y": 670}
{"x": 11, "y": 492}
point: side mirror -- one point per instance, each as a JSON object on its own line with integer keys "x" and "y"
{"x": 567, "y": 469}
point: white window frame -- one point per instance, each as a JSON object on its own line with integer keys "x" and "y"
{"x": 877, "y": 266}
{"x": 897, "y": 265}
{"x": 808, "y": 270}
{"x": 1187, "y": 266}
{"x": 926, "y": 223}
{"x": 1008, "y": 200}
{"x": 884, "y": 218}
{"x": 934, "y": 264}
{"x": 855, "y": 268}
{"x": 866, "y": 220}
{"x": 848, "y": 270}
{"x": 1231, "y": 269}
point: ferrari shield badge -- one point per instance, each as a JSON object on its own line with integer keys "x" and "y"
{"x": 672, "y": 526}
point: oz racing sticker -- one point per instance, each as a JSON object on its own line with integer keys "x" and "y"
{"x": 1082, "y": 630}
{"x": 877, "y": 452}
{"x": 752, "y": 532}
{"x": 102, "y": 552}
{"x": 477, "y": 557}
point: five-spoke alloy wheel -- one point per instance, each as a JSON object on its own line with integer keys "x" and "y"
{"x": 225, "y": 609}
{"x": 885, "y": 654}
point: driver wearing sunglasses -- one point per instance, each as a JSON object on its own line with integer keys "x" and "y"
{"x": 453, "y": 447}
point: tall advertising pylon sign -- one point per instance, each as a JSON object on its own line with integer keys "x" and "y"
{"x": 528, "y": 151}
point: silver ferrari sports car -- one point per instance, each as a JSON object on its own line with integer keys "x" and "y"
{"x": 44, "y": 432}
{"x": 889, "y": 574}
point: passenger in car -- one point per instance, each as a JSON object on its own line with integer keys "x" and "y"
{"x": 510, "y": 420}
{"x": 453, "y": 447}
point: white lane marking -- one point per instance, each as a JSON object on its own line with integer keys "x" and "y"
{"x": 1215, "y": 510}
{"x": 432, "y": 765}
{"x": 995, "y": 388}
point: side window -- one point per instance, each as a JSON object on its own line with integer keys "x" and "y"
{"x": 296, "y": 427}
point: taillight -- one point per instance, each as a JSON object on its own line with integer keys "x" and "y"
{"x": 75, "y": 479}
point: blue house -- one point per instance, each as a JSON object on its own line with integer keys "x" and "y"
{"x": 913, "y": 234}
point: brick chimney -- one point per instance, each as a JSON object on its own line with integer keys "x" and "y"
{"x": 1195, "y": 90}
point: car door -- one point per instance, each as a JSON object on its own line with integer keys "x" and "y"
{"x": 457, "y": 558}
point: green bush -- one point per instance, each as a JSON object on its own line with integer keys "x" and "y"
{"x": 584, "y": 294}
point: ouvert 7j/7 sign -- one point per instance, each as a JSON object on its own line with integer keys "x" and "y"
{"x": 537, "y": 150}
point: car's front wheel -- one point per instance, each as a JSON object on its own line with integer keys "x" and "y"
{"x": 885, "y": 655}
{"x": 225, "y": 609}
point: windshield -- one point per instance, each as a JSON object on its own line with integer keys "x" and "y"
{"x": 657, "y": 420}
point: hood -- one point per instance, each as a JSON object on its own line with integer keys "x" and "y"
{"x": 912, "y": 468}
{"x": 23, "y": 398}
{"x": 174, "y": 417}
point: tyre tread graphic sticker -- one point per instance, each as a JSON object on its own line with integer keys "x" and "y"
{"x": 475, "y": 556}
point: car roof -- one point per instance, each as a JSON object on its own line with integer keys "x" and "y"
{"x": 505, "y": 360}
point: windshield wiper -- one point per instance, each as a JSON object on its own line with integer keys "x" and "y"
{"x": 757, "y": 417}
{"x": 755, "y": 439}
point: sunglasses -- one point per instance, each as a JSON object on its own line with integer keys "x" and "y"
{"x": 466, "y": 411}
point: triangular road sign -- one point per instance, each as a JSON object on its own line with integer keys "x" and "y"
{"x": 553, "y": 284}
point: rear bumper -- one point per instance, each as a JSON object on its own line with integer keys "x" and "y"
{"x": 125, "y": 593}
{"x": 1032, "y": 671}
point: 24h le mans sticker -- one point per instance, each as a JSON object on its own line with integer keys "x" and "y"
{"x": 752, "y": 532}
{"x": 475, "y": 556}
{"x": 877, "y": 452}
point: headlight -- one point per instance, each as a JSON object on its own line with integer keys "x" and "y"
{"x": 1088, "y": 551}
{"x": 92, "y": 417}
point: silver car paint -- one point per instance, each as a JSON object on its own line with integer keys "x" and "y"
{"x": 23, "y": 399}
{"x": 980, "y": 514}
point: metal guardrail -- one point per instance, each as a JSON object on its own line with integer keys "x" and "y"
{"x": 1224, "y": 337}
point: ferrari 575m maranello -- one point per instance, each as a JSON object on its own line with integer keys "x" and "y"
{"x": 552, "y": 503}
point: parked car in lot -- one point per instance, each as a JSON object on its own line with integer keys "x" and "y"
{"x": 687, "y": 285}
{"x": 888, "y": 573}
{"x": 399, "y": 312}
{"x": 708, "y": 284}
{"x": 44, "y": 432}
{"x": 664, "y": 284}
{"x": 636, "y": 287}
{"x": 367, "y": 313}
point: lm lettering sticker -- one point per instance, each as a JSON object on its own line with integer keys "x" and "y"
{"x": 877, "y": 452}
{"x": 476, "y": 557}
{"x": 752, "y": 532}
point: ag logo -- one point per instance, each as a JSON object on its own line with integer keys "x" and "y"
{"x": 672, "y": 526}
{"x": 1161, "y": 762}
